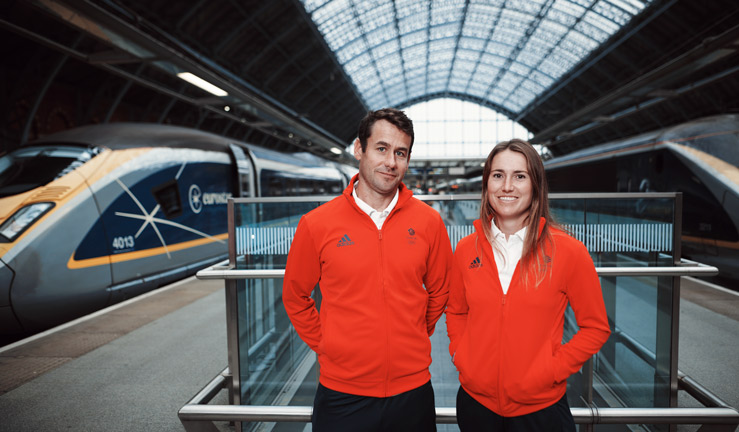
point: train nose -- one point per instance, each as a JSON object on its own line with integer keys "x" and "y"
{"x": 8, "y": 322}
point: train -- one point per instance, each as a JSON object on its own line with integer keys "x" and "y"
{"x": 699, "y": 158}
{"x": 95, "y": 215}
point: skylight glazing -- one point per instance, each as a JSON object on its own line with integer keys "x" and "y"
{"x": 506, "y": 52}
{"x": 447, "y": 129}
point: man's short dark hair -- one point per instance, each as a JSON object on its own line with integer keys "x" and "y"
{"x": 394, "y": 116}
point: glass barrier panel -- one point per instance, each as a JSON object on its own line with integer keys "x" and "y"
{"x": 277, "y": 368}
{"x": 615, "y": 230}
{"x": 264, "y": 232}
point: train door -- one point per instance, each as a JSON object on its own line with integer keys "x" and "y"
{"x": 245, "y": 171}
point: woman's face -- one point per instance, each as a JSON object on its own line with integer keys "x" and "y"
{"x": 510, "y": 190}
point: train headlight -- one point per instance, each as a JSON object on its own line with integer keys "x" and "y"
{"x": 22, "y": 219}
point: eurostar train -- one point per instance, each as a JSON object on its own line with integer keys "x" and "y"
{"x": 98, "y": 214}
{"x": 699, "y": 158}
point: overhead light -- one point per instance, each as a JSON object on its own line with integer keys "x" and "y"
{"x": 336, "y": 150}
{"x": 203, "y": 84}
{"x": 227, "y": 108}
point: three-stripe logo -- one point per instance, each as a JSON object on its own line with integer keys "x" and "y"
{"x": 345, "y": 241}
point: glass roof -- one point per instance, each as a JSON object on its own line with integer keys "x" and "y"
{"x": 502, "y": 52}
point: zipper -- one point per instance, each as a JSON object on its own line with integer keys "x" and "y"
{"x": 500, "y": 338}
{"x": 385, "y": 312}
{"x": 384, "y": 301}
{"x": 488, "y": 251}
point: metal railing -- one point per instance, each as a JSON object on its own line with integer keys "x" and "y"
{"x": 716, "y": 415}
{"x": 712, "y": 419}
{"x": 661, "y": 237}
{"x": 224, "y": 271}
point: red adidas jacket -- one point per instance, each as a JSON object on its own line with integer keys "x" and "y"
{"x": 382, "y": 292}
{"x": 508, "y": 348}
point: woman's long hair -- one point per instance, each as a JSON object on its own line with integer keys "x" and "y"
{"x": 536, "y": 248}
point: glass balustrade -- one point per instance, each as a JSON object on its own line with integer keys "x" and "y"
{"x": 634, "y": 369}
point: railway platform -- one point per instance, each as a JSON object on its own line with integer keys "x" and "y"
{"x": 131, "y": 367}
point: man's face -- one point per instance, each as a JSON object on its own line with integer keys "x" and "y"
{"x": 384, "y": 163}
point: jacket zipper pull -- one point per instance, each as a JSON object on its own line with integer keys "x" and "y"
{"x": 504, "y": 296}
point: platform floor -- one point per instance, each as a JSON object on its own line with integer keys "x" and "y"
{"x": 128, "y": 368}
{"x": 131, "y": 367}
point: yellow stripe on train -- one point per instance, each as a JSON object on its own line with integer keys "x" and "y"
{"x": 129, "y": 256}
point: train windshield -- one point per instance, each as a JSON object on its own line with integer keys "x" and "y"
{"x": 28, "y": 168}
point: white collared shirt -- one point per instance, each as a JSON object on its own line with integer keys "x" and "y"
{"x": 507, "y": 253}
{"x": 378, "y": 216}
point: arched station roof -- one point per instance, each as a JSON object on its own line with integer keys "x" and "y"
{"x": 501, "y": 53}
{"x": 300, "y": 74}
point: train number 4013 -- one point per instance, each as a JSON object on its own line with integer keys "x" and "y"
{"x": 123, "y": 242}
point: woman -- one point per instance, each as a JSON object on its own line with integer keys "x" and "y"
{"x": 511, "y": 282}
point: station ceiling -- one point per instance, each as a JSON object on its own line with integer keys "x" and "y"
{"x": 300, "y": 74}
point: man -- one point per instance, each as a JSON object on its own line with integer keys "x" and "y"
{"x": 381, "y": 258}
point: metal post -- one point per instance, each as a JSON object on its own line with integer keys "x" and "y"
{"x": 676, "y": 260}
{"x": 232, "y": 341}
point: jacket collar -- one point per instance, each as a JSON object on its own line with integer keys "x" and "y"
{"x": 404, "y": 194}
{"x": 478, "y": 227}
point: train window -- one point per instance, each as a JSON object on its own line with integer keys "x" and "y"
{"x": 336, "y": 188}
{"x": 28, "y": 168}
{"x": 302, "y": 187}
{"x": 275, "y": 183}
{"x": 296, "y": 187}
{"x": 168, "y": 197}
{"x": 272, "y": 186}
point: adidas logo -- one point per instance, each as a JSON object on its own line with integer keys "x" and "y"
{"x": 345, "y": 241}
{"x": 475, "y": 263}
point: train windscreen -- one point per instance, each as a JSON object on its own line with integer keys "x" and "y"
{"x": 28, "y": 168}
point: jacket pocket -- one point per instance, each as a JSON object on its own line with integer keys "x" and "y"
{"x": 477, "y": 368}
{"x": 536, "y": 384}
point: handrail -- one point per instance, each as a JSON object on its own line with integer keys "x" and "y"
{"x": 687, "y": 268}
{"x": 700, "y": 393}
{"x": 198, "y": 410}
{"x": 228, "y": 272}
{"x": 719, "y": 413}
{"x": 448, "y": 415}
